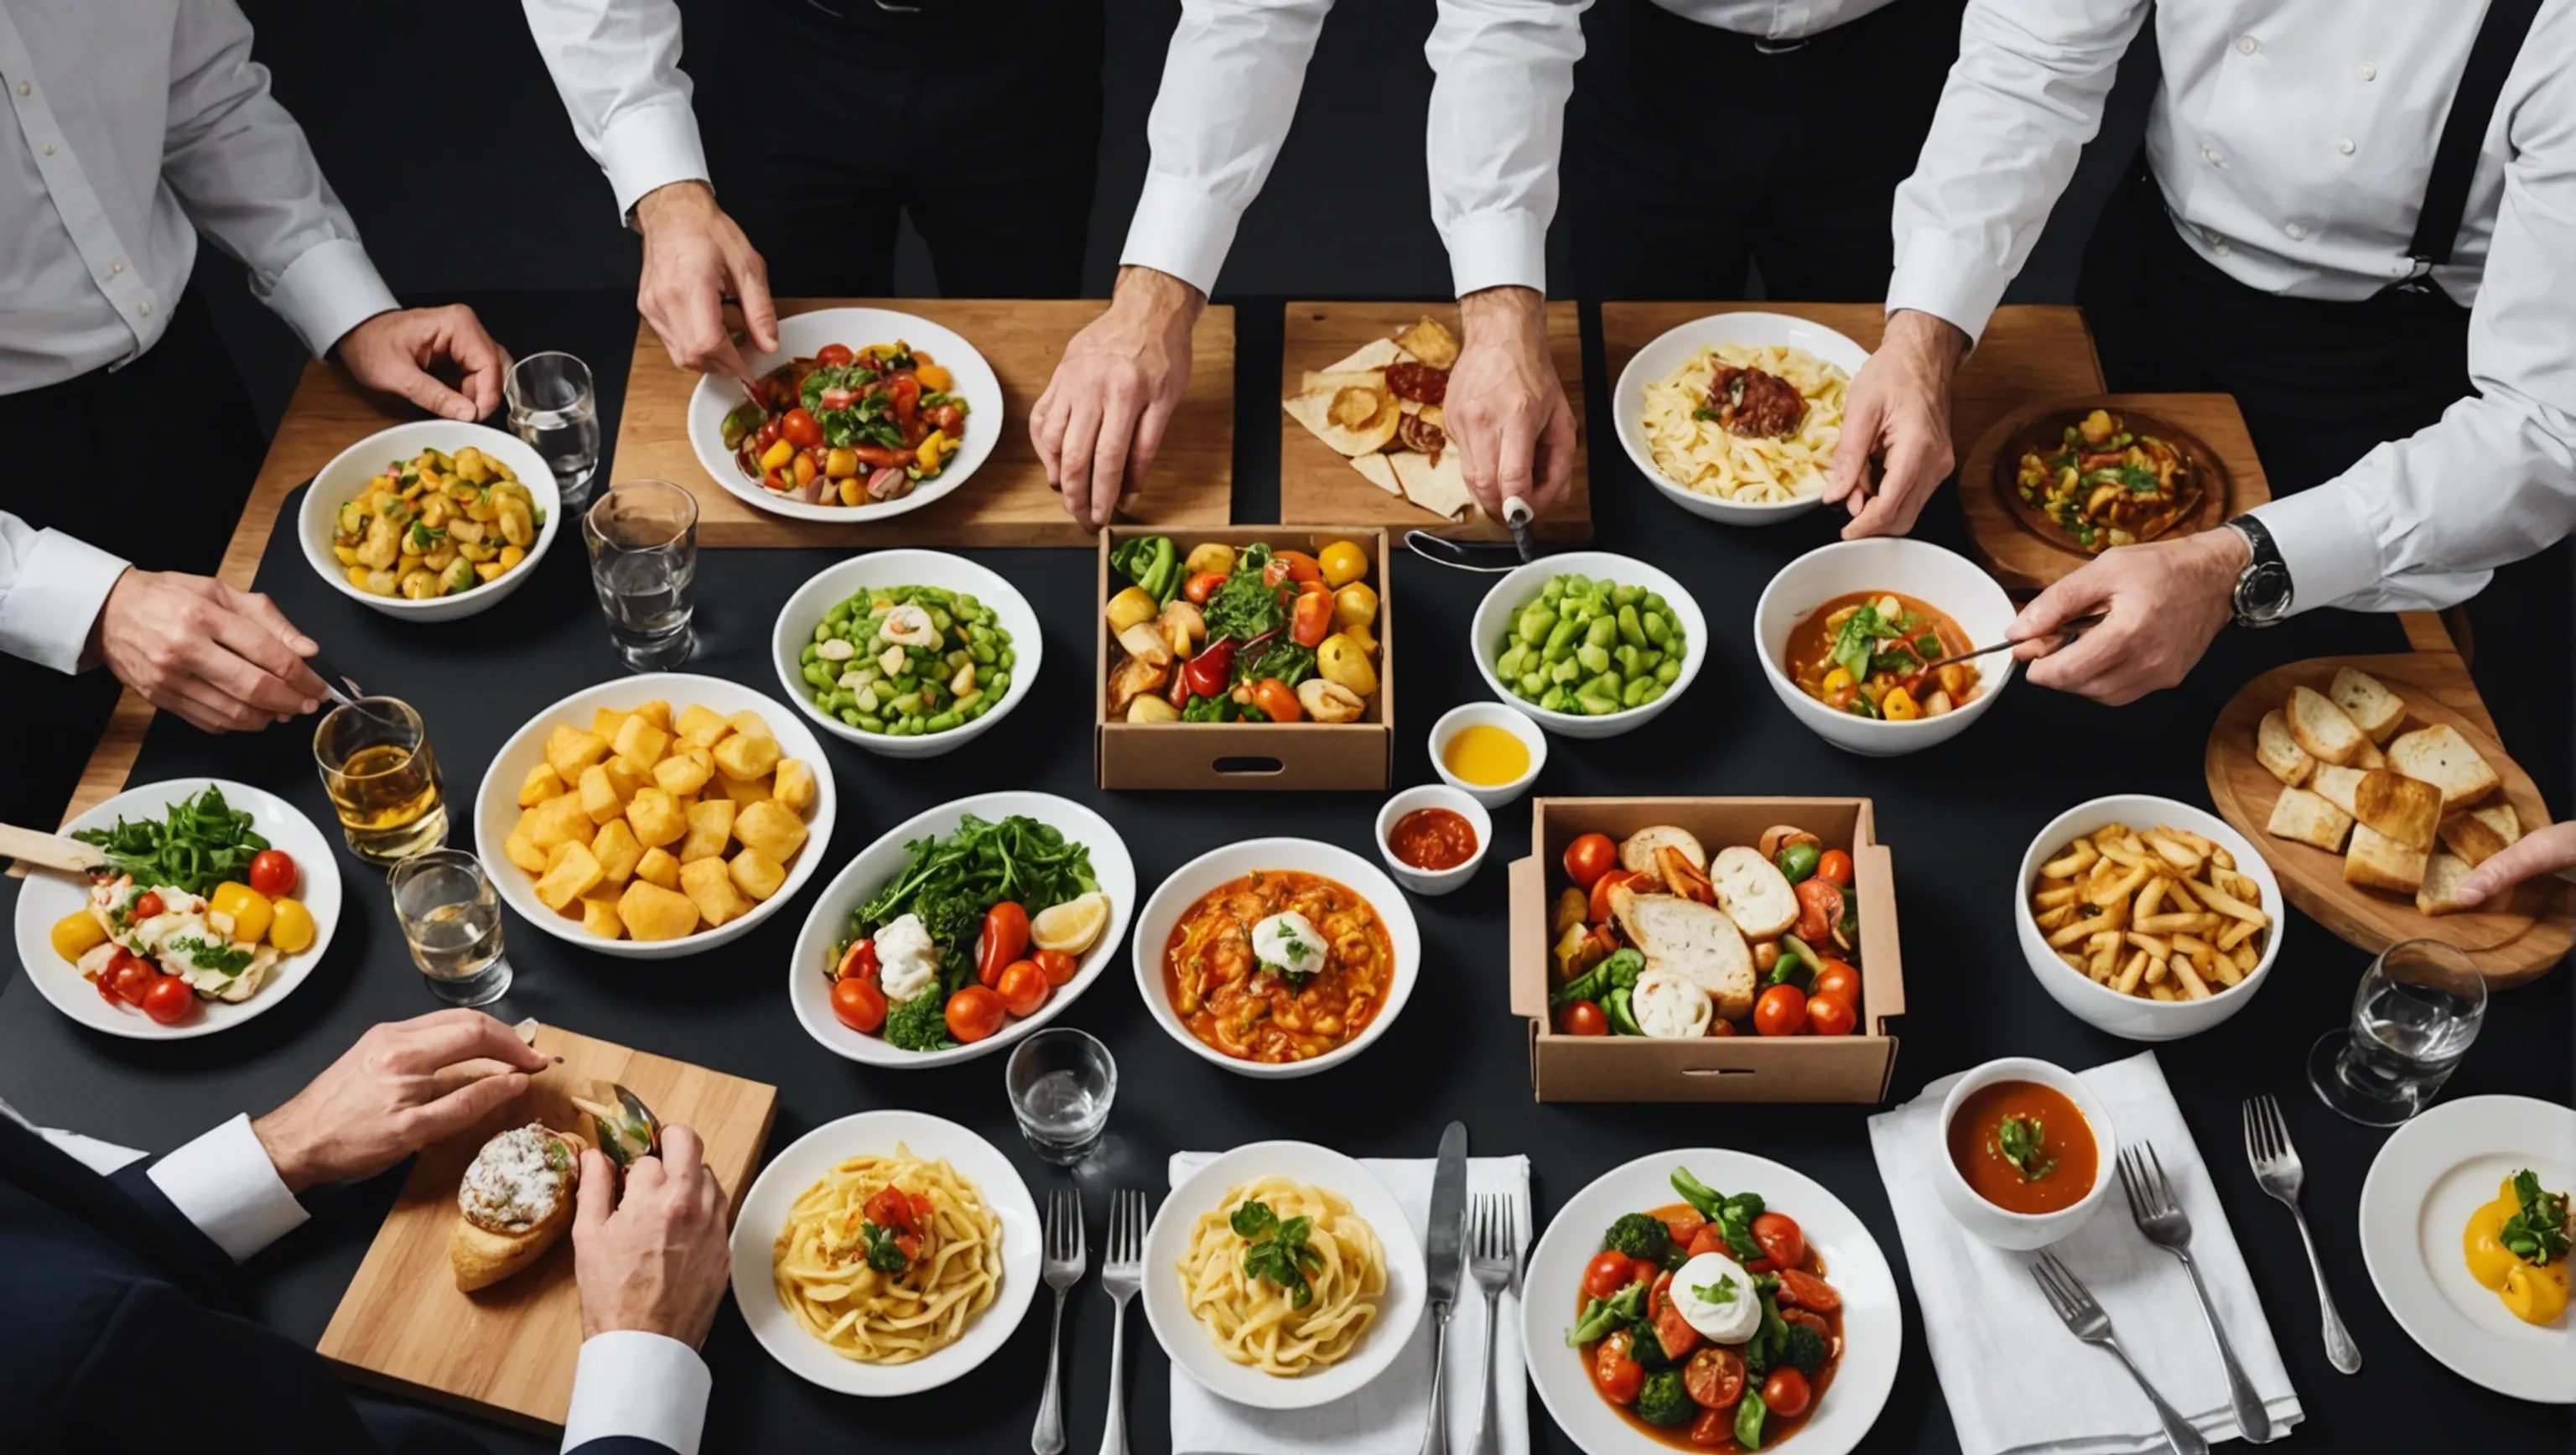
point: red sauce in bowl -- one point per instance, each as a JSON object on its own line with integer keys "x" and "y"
{"x": 1433, "y": 838}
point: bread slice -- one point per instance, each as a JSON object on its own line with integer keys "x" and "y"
{"x": 2280, "y": 753}
{"x": 2371, "y": 706}
{"x": 484, "y": 1255}
{"x": 2405, "y": 809}
{"x": 2441, "y": 757}
{"x": 2302, "y": 815}
{"x": 2370, "y": 756}
{"x": 2439, "y": 893}
{"x": 2338, "y": 785}
{"x": 2377, "y": 861}
{"x": 2479, "y": 834}
{"x": 2321, "y": 728}
{"x": 1693, "y": 940}
{"x": 1753, "y": 892}
{"x": 1637, "y": 851}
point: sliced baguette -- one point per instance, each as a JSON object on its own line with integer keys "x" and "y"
{"x": 2441, "y": 757}
{"x": 1753, "y": 892}
{"x": 1637, "y": 851}
{"x": 1693, "y": 940}
{"x": 2338, "y": 785}
{"x": 2368, "y": 702}
{"x": 2439, "y": 894}
{"x": 484, "y": 1256}
{"x": 2370, "y": 756}
{"x": 2377, "y": 861}
{"x": 2280, "y": 753}
{"x": 2408, "y": 810}
{"x": 2321, "y": 728}
{"x": 2479, "y": 834}
{"x": 2309, "y": 819}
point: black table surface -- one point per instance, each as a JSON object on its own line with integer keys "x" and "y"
{"x": 1957, "y": 818}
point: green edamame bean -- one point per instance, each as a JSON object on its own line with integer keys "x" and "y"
{"x": 1592, "y": 658}
{"x": 1566, "y": 671}
{"x": 1632, "y": 629}
{"x": 1653, "y": 601}
{"x": 1668, "y": 673}
{"x": 998, "y": 684}
{"x": 1651, "y": 694}
{"x": 942, "y": 723}
{"x": 1596, "y": 706}
{"x": 1535, "y": 624}
{"x": 1531, "y": 684}
{"x": 852, "y": 718}
{"x": 870, "y": 723}
{"x": 1623, "y": 595}
{"x": 1634, "y": 695}
{"x": 1603, "y": 632}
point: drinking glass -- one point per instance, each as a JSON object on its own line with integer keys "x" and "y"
{"x": 2413, "y": 1017}
{"x": 451, "y": 918}
{"x": 382, "y": 777}
{"x": 553, "y": 409}
{"x": 643, "y": 537}
{"x": 1061, "y": 1083}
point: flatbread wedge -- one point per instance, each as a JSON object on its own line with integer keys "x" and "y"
{"x": 1353, "y": 419}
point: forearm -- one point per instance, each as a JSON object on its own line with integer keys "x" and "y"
{"x": 616, "y": 64}
{"x": 1503, "y": 70}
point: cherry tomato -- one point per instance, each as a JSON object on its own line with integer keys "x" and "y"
{"x": 859, "y": 1004}
{"x": 947, "y": 419}
{"x": 1714, "y": 1378}
{"x": 1582, "y": 1018}
{"x": 1830, "y": 1015}
{"x": 1202, "y": 586}
{"x": 1785, "y": 1393}
{"x": 1615, "y": 1370}
{"x": 1713, "y": 1430}
{"x": 1720, "y": 1026}
{"x": 765, "y": 436}
{"x": 106, "y": 984}
{"x": 1819, "y": 905}
{"x": 1005, "y": 939}
{"x": 169, "y": 1001}
{"x": 133, "y": 980}
{"x": 1059, "y": 966}
{"x": 1601, "y": 887}
{"x": 974, "y": 1013}
{"x": 891, "y": 1210}
{"x": 802, "y": 429}
{"x": 1023, "y": 987}
{"x": 1590, "y": 857}
{"x": 832, "y": 356}
{"x": 1835, "y": 867}
{"x": 1609, "y": 1271}
{"x": 1782, "y": 1240}
{"x": 1836, "y": 978}
{"x": 1291, "y": 566}
{"x": 859, "y": 962}
{"x": 1706, "y": 1240}
{"x": 1807, "y": 1291}
{"x": 1311, "y": 620}
{"x": 1276, "y": 700}
{"x": 1684, "y": 1229}
{"x": 147, "y": 905}
{"x": 1672, "y": 1331}
{"x": 1782, "y": 1011}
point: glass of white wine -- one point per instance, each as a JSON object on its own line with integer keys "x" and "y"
{"x": 451, "y": 918}
{"x": 382, "y": 778}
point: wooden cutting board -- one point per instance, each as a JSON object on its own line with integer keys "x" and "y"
{"x": 2512, "y": 944}
{"x": 1318, "y": 487}
{"x": 508, "y": 1352}
{"x": 1008, "y": 502}
{"x": 2025, "y": 558}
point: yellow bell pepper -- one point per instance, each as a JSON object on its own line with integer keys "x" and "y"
{"x": 840, "y": 464}
{"x": 1837, "y": 679}
{"x": 932, "y": 450}
{"x": 78, "y": 933}
{"x": 935, "y": 376}
{"x": 778, "y": 455}
{"x": 1342, "y": 563}
{"x": 2535, "y": 1294}
{"x": 250, "y": 910}
{"x": 1899, "y": 706}
{"x": 290, "y": 929}
{"x": 853, "y": 492}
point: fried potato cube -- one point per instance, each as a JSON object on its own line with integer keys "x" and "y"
{"x": 641, "y": 743}
{"x": 542, "y": 783}
{"x": 682, "y": 773}
{"x": 599, "y": 795}
{"x": 656, "y": 818}
{"x": 518, "y": 850}
{"x": 606, "y": 721}
{"x": 599, "y": 916}
{"x": 617, "y": 850}
{"x": 573, "y": 873}
{"x": 561, "y": 820}
{"x": 710, "y": 887}
{"x": 743, "y": 791}
{"x": 702, "y": 726}
{"x": 793, "y": 784}
{"x": 625, "y": 777}
{"x": 757, "y": 874}
{"x": 747, "y": 755}
{"x": 748, "y": 721}
{"x": 651, "y": 912}
{"x": 772, "y": 828}
{"x": 657, "y": 712}
{"x": 569, "y": 750}
{"x": 658, "y": 867}
{"x": 710, "y": 830}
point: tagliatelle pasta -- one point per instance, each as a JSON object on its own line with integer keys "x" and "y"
{"x": 888, "y": 1259}
{"x": 1253, "y": 1319}
{"x": 1694, "y": 451}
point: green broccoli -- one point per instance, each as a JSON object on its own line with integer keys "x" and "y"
{"x": 921, "y": 1023}
{"x": 1639, "y": 1235}
{"x": 1662, "y": 1400}
{"x": 1801, "y": 1347}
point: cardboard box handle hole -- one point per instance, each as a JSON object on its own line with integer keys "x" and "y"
{"x": 1246, "y": 766}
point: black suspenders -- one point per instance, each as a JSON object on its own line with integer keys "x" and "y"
{"x": 2455, "y": 156}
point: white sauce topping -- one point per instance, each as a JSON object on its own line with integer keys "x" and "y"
{"x": 1288, "y": 944}
{"x": 907, "y": 961}
{"x": 512, "y": 1186}
{"x": 1718, "y": 1318}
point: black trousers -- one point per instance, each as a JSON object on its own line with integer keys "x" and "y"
{"x": 82, "y": 456}
{"x": 1694, "y": 157}
{"x": 982, "y": 120}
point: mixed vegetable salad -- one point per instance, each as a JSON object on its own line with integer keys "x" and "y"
{"x": 1250, "y": 635}
{"x": 907, "y": 661}
{"x": 849, "y": 426}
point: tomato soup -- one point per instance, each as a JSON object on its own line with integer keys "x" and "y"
{"x": 2024, "y": 1147}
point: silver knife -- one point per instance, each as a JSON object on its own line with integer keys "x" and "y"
{"x": 1444, "y": 1239}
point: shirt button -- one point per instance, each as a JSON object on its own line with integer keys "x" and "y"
{"x": 2221, "y": 249}
{"x": 49, "y": 149}
{"x": 2210, "y": 154}
{"x": 2344, "y": 146}
{"x": 2295, "y": 231}
{"x": 2369, "y": 72}
{"x": 117, "y": 267}
{"x": 145, "y": 309}
{"x": 22, "y": 88}
{"x": 2248, "y": 46}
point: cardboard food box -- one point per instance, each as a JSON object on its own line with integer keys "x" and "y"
{"x": 1853, "y": 1068}
{"x": 1249, "y": 755}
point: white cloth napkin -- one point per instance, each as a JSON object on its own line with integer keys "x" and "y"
{"x": 1388, "y": 1417}
{"x": 1982, "y": 1313}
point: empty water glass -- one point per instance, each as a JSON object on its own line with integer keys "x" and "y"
{"x": 2413, "y": 1018}
{"x": 451, "y": 918}
{"x": 643, "y": 538}
{"x": 1061, "y": 1083}
{"x": 553, "y": 409}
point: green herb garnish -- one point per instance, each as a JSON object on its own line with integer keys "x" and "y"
{"x": 2018, "y": 1140}
{"x": 2538, "y": 1234}
{"x": 1277, "y": 1251}
{"x": 1722, "y": 1291}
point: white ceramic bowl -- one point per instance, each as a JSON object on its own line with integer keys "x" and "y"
{"x": 1174, "y": 896}
{"x": 1489, "y": 714}
{"x": 1939, "y": 578}
{"x": 810, "y": 990}
{"x": 1195, "y": 1354}
{"x": 349, "y": 472}
{"x": 2133, "y": 1016}
{"x": 2023, "y": 1232}
{"x": 801, "y": 336}
{"x": 837, "y": 583}
{"x": 774, "y": 1192}
{"x": 1502, "y": 605}
{"x": 1434, "y": 795}
{"x": 1674, "y": 349}
{"x": 49, "y": 895}
{"x": 496, "y": 806}
{"x": 1873, "y": 1323}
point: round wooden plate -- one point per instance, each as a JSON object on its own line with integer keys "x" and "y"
{"x": 2024, "y": 548}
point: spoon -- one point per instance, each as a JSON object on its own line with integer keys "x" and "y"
{"x": 2064, "y": 636}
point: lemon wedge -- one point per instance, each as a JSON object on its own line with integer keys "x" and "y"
{"x": 1073, "y": 926}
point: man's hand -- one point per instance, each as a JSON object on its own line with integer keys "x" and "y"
{"x": 394, "y": 353}
{"x": 225, "y": 660}
{"x": 1100, "y": 422}
{"x": 400, "y": 1088}
{"x": 1505, "y": 411}
{"x": 655, "y": 1260}
{"x": 2166, "y": 600}
{"x": 694, "y": 259}
{"x": 1898, "y": 412}
{"x": 2542, "y": 851}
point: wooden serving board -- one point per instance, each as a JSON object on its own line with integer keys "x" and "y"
{"x": 2516, "y": 943}
{"x": 2024, "y": 556}
{"x": 1318, "y": 487}
{"x": 1008, "y": 502}
{"x": 508, "y": 1351}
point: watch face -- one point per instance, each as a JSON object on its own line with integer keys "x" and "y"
{"x": 2263, "y": 594}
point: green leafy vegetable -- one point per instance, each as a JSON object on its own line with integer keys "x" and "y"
{"x": 1731, "y": 1216}
{"x": 1617, "y": 971}
{"x": 1243, "y": 608}
{"x": 1282, "y": 658}
{"x": 884, "y": 1254}
{"x": 950, "y": 882}
{"x": 217, "y": 955}
{"x": 203, "y": 842}
{"x": 1152, "y": 562}
{"x": 2020, "y": 1140}
{"x": 2537, "y": 1234}
{"x": 1277, "y": 1251}
{"x": 1856, "y": 639}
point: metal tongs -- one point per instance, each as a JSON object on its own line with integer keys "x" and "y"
{"x": 2061, "y": 639}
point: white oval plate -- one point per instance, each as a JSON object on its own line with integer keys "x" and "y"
{"x": 840, "y": 581}
{"x": 1873, "y": 1325}
{"x": 799, "y": 336}
{"x": 774, "y": 1192}
{"x": 1195, "y": 1354}
{"x": 810, "y": 991}
{"x": 2428, "y": 1177}
{"x": 1673, "y": 348}
{"x": 49, "y": 894}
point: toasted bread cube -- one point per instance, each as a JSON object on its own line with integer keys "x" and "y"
{"x": 598, "y": 795}
{"x": 2310, "y": 819}
{"x": 605, "y": 721}
{"x": 542, "y": 783}
{"x": 710, "y": 831}
{"x": 702, "y": 726}
{"x": 2368, "y": 702}
{"x": 793, "y": 784}
{"x": 657, "y": 712}
{"x": 656, "y": 818}
{"x": 2408, "y": 810}
{"x": 2478, "y": 834}
{"x": 2377, "y": 861}
{"x": 682, "y": 773}
{"x": 641, "y": 743}
{"x": 748, "y": 721}
{"x": 710, "y": 887}
{"x": 520, "y": 851}
{"x": 658, "y": 867}
{"x": 747, "y": 755}
{"x": 617, "y": 850}
{"x": 2322, "y": 730}
{"x": 2370, "y": 756}
{"x": 570, "y": 750}
{"x": 771, "y": 827}
{"x": 572, "y": 874}
{"x": 756, "y": 874}
{"x": 2279, "y": 752}
{"x": 651, "y": 912}
{"x": 2440, "y": 756}
{"x": 599, "y": 916}
{"x": 2440, "y": 891}
{"x": 561, "y": 820}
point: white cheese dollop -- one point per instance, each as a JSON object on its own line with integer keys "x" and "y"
{"x": 1715, "y": 1296}
{"x": 907, "y": 962}
{"x": 1670, "y": 1005}
{"x": 1288, "y": 944}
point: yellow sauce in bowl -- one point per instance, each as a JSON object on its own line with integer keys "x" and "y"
{"x": 1486, "y": 755}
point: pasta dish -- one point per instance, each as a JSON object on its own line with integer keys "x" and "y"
{"x": 1754, "y": 424}
{"x": 1284, "y": 1277}
{"x": 1278, "y": 966}
{"x": 888, "y": 1259}
{"x": 2104, "y": 483}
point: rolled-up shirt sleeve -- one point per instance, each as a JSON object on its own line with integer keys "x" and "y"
{"x": 1504, "y": 69}
{"x": 639, "y": 1385}
{"x": 616, "y": 63}
{"x": 52, "y": 588}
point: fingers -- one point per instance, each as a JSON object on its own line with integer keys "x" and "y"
{"x": 478, "y": 354}
{"x": 1109, "y": 455}
{"x": 1556, "y": 447}
{"x": 1046, "y": 429}
{"x": 447, "y": 1037}
{"x": 751, "y": 289}
{"x": 1860, "y": 428}
{"x": 260, "y": 609}
{"x": 251, "y": 662}
{"x": 688, "y": 312}
{"x": 2542, "y": 851}
{"x": 2071, "y": 595}
{"x": 208, "y": 707}
{"x": 416, "y": 384}
{"x": 461, "y": 1108}
{"x": 597, "y": 1196}
{"x": 644, "y": 1175}
{"x": 1081, "y": 433}
{"x": 1148, "y": 442}
{"x": 682, "y": 1154}
{"x": 1514, "y": 447}
{"x": 1472, "y": 436}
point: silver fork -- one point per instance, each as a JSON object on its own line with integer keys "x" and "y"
{"x": 1493, "y": 1257}
{"x": 2085, "y": 1320}
{"x": 2161, "y": 1217}
{"x": 1066, "y": 1256}
{"x": 2278, "y": 1169}
{"x": 1122, "y": 1272}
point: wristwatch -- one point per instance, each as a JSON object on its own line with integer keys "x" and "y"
{"x": 2262, "y": 594}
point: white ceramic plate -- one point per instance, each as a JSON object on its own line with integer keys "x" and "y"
{"x": 2429, "y": 1176}
{"x": 839, "y": 582}
{"x": 496, "y": 806}
{"x": 774, "y": 1192}
{"x": 801, "y": 336}
{"x": 1195, "y": 1354}
{"x": 349, "y": 472}
{"x": 1551, "y": 1290}
{"x": 49, "y": 895}
{"x": 811, "y": 993}
{"x": 1674, "y": 349}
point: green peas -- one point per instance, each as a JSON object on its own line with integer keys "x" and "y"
{"x": 1590, "y": 646}
{"x": 912, "y": 699}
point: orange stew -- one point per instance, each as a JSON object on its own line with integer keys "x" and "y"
{"x": 1257, "y": 1012}
{"x": 1865, "y": 654}
{"x": 2024, "y": 1147}
{"x": 1433, "y": 838}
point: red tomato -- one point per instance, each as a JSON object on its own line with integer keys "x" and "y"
{"x": 1202, "y": 586}
{"x": 1720, "y": 1026}
{"x": 127, "y": 976}
{"x": 1834, "y": 867}
{"x": 1005, "y": 939}
{"x": 1782, "y": 1010}
{"x": 859, "y": 962}
{"x": 146, "y": 906}
{"x": 1715, "y": 1378}
{"x": 106, "y": 984}
{"x": 763, "y": 437}
{"x": 1815, "y": 1321}
{"x": 832, "y": 356}
{"x": 1601, "y": 887}
{"x": 1582, "y": 1018}
{"x": 882, "y": 456}
{"x": 1671, "y": 1329}
{"x": 1830, "y": 1015}
{"x": 1706, "y": 1240}
{"x": 1807, "y": 1291}
{"x": 1277, "y": 701}
{"x": 1291, "y": 566}
{"x": 1059, "y": 966}
{"x": 1713, "y": 1430}
{"x": 859, "y": 1004}
{"x": 1683, "y": 1229}
{"x": 1311, "y": 620}
{"x": 948, "y": 419}
{"x": 891, "y": 1210}
{"x": 1590, "y": 857}
{"x": 974, "y": 1013}
{"x": 801, "y": 429}
{"x": 1836, "y": 978}
{"x": 169, "y": 1001}
{"x": 1782, "y": 1240}
{"x": 1609, "y": 1271}
{"x": 1023, "y": 987}
{"x": 1615, "y": 1371}
{"x": 1819, "y": 905}
{"x": 1785, "y": 1393}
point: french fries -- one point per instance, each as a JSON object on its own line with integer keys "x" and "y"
{"x": 2164, "y": 914}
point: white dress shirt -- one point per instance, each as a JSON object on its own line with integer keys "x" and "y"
{"x": 1780, "y": 20}
{"x": 616, "y": 63}
{"x": 1502, "y": 70}
{"x": 2292, "y": 140}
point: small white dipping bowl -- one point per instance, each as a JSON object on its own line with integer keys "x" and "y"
{"x": 1674, "y": 349}
{"x": 1434, "y": 795}
{"x": 2023, "y": 1232}
{"x": 837, "y": 583}
{"x": 1942, "y": 579}
{"x": 2134, "y": 1016}
{"x": 1175, "y": 895}
{"x": 1488, "y": 714}
{"x": 1502, "y": 605}
{"x": 348, "y": 474}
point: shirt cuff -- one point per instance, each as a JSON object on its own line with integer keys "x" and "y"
{"x": 639, "y": 1385}
{"x": 648, "y": 148}
{"x": 2330, "y": 550}
{"x": 1497, "y": 250}
{"x": 224, "y": 1183}
{"x": 1179, "y": 231}
{"x": 62, "y": 586}
{"x": 327, "y": 291}
{"x": 1958, "y": 285}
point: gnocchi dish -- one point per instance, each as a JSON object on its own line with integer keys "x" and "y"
{"x": 436, "y": 525}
